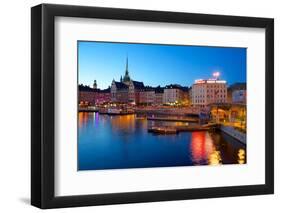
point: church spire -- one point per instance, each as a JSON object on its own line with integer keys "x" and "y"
{"x": 127, "y": 71}
{"x": 126, "y": 77}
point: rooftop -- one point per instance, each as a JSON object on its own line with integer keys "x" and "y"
{"x": 177, "y": 86}
{"x": 209, "y": 81}
{"x": 120, "y": 85}
{"x": 138, "y": 84}
{"x": 85, "y": 88}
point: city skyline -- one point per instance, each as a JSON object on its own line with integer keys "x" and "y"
{"x": 158, "y": 64}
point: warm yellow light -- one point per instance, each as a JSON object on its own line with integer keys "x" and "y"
{"x": 215, "y": 158}
{"x": 241, "y": 156}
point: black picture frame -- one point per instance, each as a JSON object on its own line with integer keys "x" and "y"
{"x": 43, "y": 110}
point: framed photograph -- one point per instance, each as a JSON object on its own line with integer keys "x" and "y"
{"x": 139, "y": 106}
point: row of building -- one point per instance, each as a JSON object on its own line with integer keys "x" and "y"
{"x": 135, "y": 93}
{"x": 89, "y": 96}
{"x": 128, "y": 91}
{"x": 206, "y": 92}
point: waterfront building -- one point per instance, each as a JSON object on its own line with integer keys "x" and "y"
{"x": 103, "y": 96}
{"x": 147, "y": 96}
{"x": 119, "y": 92}
{"x": 174, "y": 94}
{"x": 233, "y": 114}
{"x": 158, "y": 96}
{"x": 237, "y": 93}
{"x": 205, "y": 92}
{"x": 127, "y": 90}
{"x": 88, "y": 96}
{"x": 239, "y": 96}
{"x": 135, "y": 87}
{"x": 186, "y": 96}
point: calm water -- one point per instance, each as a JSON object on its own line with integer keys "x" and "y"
{"x": 115, "y": 142}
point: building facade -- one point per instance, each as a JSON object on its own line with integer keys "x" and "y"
{"x": 175, "y": 94}
{"x": 239, "y": 96}
{"x": 205, "y": 92}
{"x": 127, "y": 90}
{"x": 159, "y": 95}
{"x": 88, "y": 96}
{"x": 103, "y": 97}
{"x": 119, "y": 92}
{"x": 237, "y": 93}
{"x": 135, "y": 87}
{"x": 147, "y": 96}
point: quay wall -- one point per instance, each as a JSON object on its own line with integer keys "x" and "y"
{"x": 234, "y": 133}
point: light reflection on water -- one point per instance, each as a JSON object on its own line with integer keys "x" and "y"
{"x": 203, "y": 149}
{"x": 241, "y": 156}
{"x": 114, "y": 142}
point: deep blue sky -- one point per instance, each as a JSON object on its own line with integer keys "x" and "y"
{"x": 158, "y": 64}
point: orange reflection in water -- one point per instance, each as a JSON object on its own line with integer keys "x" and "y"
{"x": 123, "y": 122}
{"x": 82, "y": 118}
{"x": 203, "y": 149}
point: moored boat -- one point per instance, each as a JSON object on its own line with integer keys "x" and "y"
{"x": 163, "y": 130}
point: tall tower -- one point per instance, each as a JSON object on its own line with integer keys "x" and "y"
{"x": 95, "y": 86}
{"x": 126, "y": 77}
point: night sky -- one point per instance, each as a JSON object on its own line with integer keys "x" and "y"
{"x": 157, "y": 64}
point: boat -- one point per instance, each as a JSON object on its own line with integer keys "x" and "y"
{"x": 118, "y": 111}
{"x": 163, "y": 130}
{"x": 88, "y": 109}
{"x": 114, "y": 111}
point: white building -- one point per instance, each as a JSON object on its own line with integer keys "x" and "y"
{"x": 210, "y": 91}
{"x": 172, "y": 94}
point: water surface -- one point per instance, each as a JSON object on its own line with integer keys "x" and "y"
{"x": 116, "y": 142}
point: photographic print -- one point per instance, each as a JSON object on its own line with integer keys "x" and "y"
{"x": 119, "y": 117}
{"x": 158, "y": 105}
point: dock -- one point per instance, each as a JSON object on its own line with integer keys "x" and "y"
{"x": 174, "y": 119}
{"x": 116, "y": 111}
{"x": 162, "y": 130}
{"x": 87, "y": 109}
{"x": 177, "y": 129}
{"x": 120, "y": 113}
